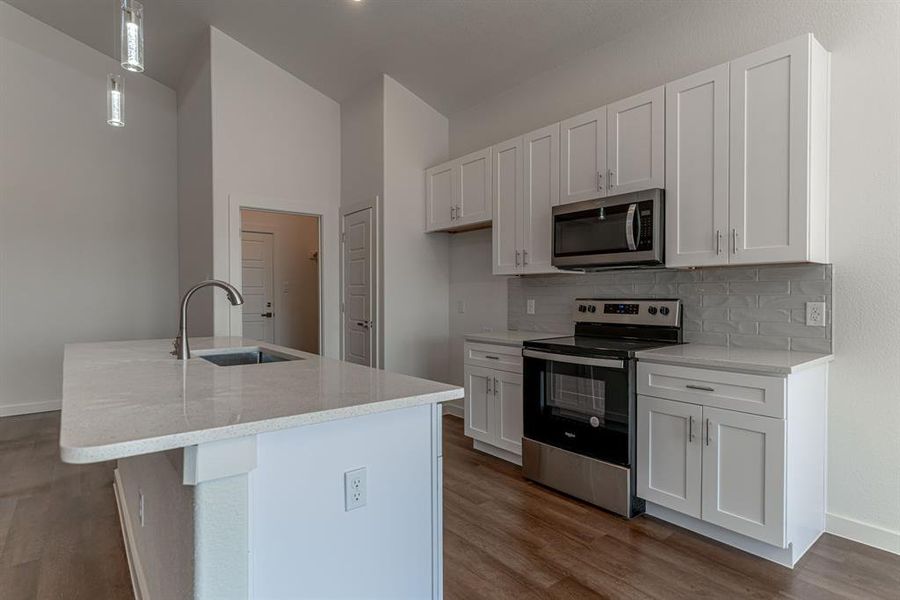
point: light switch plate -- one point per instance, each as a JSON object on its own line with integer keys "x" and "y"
{"x": 461, "y": 306}
{"x": 815, "y": 314}
{"x": 529, "y": 306}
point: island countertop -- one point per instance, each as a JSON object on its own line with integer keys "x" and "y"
{"x": 128, "y": 398}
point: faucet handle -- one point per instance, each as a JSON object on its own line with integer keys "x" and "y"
{"x": 175, "y": 344}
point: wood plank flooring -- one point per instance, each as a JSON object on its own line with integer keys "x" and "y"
{"x": 504, "y": 537}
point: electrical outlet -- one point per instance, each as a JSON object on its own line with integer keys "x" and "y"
{"x": 141, "y": 507}
{"x": 355, "y": 489}
{"x": 529, "y": 306}
{"x": 815, "y": 314}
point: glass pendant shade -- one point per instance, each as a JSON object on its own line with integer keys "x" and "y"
{"x": 132, "y": 36}
{"x": 115, "y": 101}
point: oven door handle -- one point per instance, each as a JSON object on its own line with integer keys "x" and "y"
{"x": 575, "y": 360}
{"x": 629, "y": 227}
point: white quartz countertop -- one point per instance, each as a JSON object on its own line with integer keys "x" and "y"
{"x": 128, "y": 398}
{"x": 766, "y": 362}
{"x": 507, "y": 337}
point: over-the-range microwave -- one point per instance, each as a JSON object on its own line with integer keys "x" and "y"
{"x": 618, "y": 231}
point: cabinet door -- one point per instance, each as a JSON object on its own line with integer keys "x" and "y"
{"x": 669, "y": 453}
{"x": 743, "y": 474}
{"x": 479, "y": 404}
{"x": 582, "y": 155}
{"x": 541, "y": 194}
{"x": 508, "y": 195}
{"x": 769, "y": 154}
{"x": 439, "y": 183}
{"x": 636, "y": 142}
{"x": 507, "y": 433}
{"x": 473, "y": 202}
{"x": 697, "y": 169}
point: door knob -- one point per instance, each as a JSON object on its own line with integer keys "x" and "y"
{"x": 267, "y": 315}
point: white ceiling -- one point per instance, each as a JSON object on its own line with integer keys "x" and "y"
{"x": 452, "y": 53}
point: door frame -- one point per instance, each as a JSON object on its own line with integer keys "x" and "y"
{"x": 377, "y": 281}
{"x": 273, "y": 205}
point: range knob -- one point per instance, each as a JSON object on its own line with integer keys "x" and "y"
{"x": 663, "y": 310}
{"x": 651, "y": 310}
{"x": 582, "y": 308}
{"x": 592, "y": 308}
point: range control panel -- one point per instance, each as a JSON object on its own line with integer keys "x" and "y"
{"x": 628, "y": 312}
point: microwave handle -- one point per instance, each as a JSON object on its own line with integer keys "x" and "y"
{"x": 629, "y": 227}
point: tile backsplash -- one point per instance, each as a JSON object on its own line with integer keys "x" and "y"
{"x": 750, "y": 307}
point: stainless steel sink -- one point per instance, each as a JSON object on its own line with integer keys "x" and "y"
{"x": 245, "y": 356}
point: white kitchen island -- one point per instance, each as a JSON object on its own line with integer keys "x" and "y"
{"x": 231, "y": 479}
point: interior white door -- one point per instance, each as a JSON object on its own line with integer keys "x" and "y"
{"x": 479, "y": 403}
{"x": 439, "y": 196}
{"x": 697, "y": 169}
{"x": 358, "y": 267}
{"x": 473, "y": 202}
{"x": 770, "y": 153}
{"x": 669, "y": 453}
{"x": 636, "y": 142}
{"x": 743, "y": 474}
{"x": 508, "y": 196}
{"x": 257, "y": 285}
{"x": 541, "y": 194}
{"x": 582, "y": 154}
{"x": 508, "y": 429}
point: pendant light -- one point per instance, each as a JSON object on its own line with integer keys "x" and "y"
{"x": 132, "y": 36}
{"x": 115, "y": 100}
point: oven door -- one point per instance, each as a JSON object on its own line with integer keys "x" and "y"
{"x": 621, "y": 230}
{"x": 578, "y": 403}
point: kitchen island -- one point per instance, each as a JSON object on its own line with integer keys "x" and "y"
{"x": 230, "y": 480}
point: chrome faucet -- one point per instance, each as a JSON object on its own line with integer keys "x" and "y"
{"x": 182, "y": 349}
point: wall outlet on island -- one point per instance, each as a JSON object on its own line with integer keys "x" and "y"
{"x": 529, "y": 306}
{"x": 815, "y": 314}
{"x": 355, "y": 489}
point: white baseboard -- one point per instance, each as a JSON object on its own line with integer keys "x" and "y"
{"x": 27, "y": 408}
{"x": 506, "y": 455}
{"x": 864, "y": 533}
{"x": 138, "y": 581}
{"x": 454, "y": 410}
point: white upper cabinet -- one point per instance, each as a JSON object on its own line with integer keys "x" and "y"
{"x": 439, "y": 201}
{"x": 746, "y": 160}
{"x": 636, "y": 142}
{"x": 526, "y": 187}
{"x": 697, "y": 169}
{"x": 583, "y": 157}
{"x": 779, "y": 99}
{"x": 508, "y": 198}
{"x": 473, "y": 201}
{"x": 541, "y": 194}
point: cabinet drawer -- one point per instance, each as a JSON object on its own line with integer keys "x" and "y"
{"x": 755, "y": 394}
{"x": 504, "y": 358}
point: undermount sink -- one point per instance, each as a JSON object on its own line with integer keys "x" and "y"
{"x": 245, "y": 356}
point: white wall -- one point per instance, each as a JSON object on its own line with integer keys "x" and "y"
{"x": 195, "y": 241}
{"x": 88, "y": 215}
{"x": 864, "y": 38}
{"x": 295, "y": 289}
{"x": 276, "y": 144}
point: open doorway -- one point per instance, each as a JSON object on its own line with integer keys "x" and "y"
{"x": 280, "y": 277}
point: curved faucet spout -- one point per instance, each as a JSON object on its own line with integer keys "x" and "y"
{"x": 182, "y": 350}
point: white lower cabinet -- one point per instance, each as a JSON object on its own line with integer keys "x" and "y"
{"x": 710, "y": 461}
{"x": 493, "y": 404}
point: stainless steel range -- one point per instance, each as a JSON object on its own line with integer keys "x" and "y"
{"x": 579, "y": 399}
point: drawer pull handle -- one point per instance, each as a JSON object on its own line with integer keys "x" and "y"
{"x": 492, "y": 357}
{"x": 704, "y": 388}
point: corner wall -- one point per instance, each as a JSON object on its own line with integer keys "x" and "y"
{"x": 88, "y": 212}
{"x": 864, "y": 39}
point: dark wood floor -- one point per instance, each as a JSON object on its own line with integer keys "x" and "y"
{"x": 504, "y": 537}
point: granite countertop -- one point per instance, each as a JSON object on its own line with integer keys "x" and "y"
{"x": 128, "y": 398}
{"x": 508, "y": 337}
{"x": 764, "y": 362}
